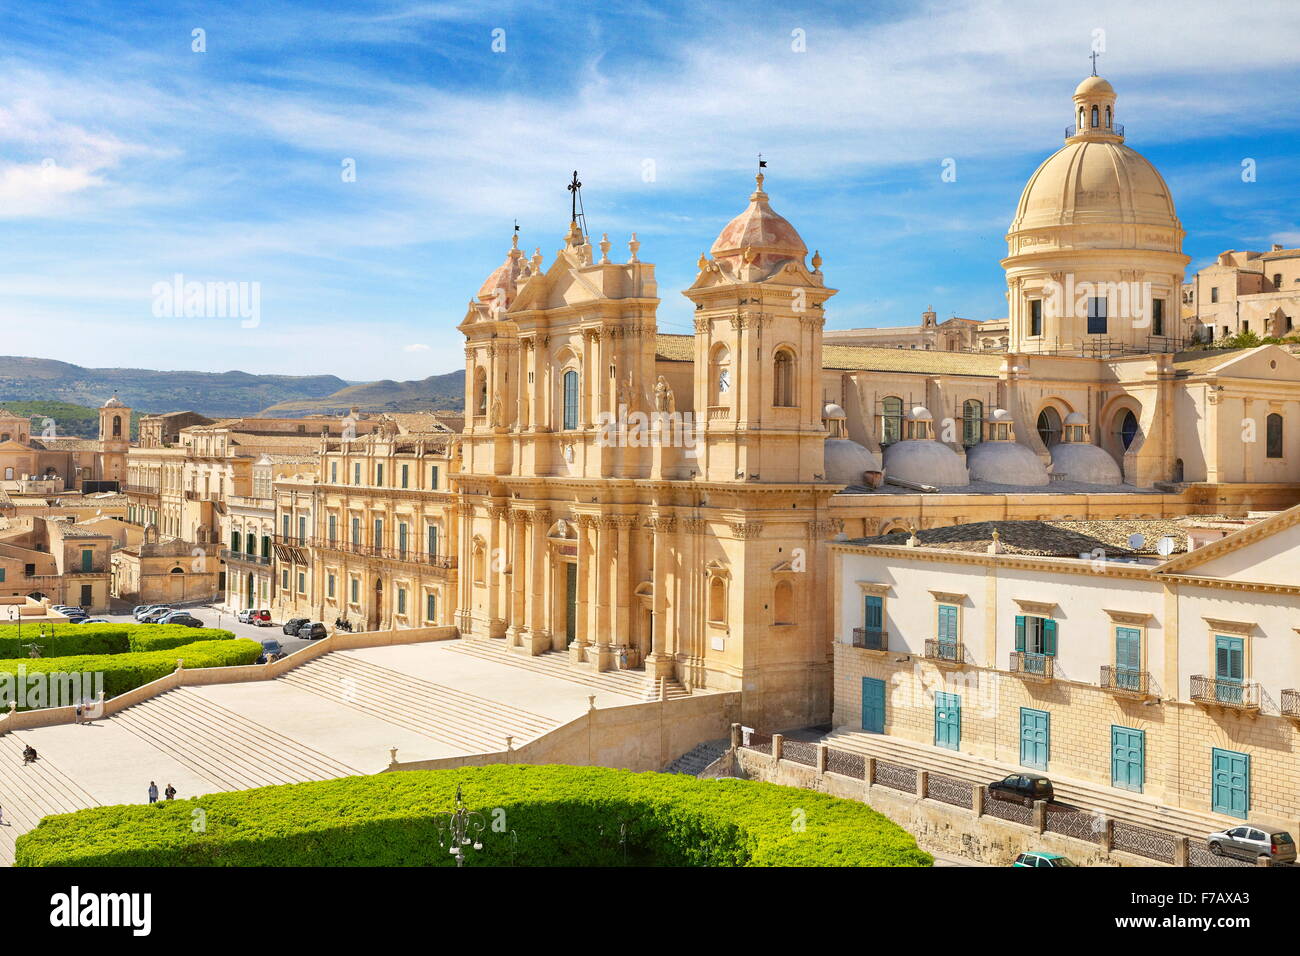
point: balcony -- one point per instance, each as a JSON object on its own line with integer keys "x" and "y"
{"x": 1229, "y": 695}
{"x": 719, "y": 413}
{"x": 1291, "y": 704}
{"x": 1126, "y": 682}
{"x": 1116, "y": 128}
{"x": 945, "y": 652}
{"x": 407, "y": 555}
{"x": 1032, "y": 666}
{"x": 242, "y": 557}
{"x": 870, "y": 639}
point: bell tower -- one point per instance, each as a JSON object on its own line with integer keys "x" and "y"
{"x": 759, "y": 315}
{"x": 114, "y": 440}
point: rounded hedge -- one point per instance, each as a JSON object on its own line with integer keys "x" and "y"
{"x": 532, "y": 815}
{"x": 65, "y": 640}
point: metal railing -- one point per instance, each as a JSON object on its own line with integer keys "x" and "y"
{"x": 1243, "y": 695}
{"x": 1290, "y": 706}
{"x": 1125, "y": 680}
{"x": 243, "y": 556}
{"x": 409, "y": 555}
{"x": 1032, "y": 665}
{"x": 870, "y": 638}
{"x": 1115, "y": 128}
{"x": 947, "y": 651}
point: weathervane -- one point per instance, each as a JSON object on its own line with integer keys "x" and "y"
{"x": 762, "y": 163}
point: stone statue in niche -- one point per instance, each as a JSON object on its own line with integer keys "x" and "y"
{"x": 664, "y": 401}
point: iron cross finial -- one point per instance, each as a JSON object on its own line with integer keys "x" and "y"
{"x": 1094, "y": 62}
{"x": 573, "y": 188}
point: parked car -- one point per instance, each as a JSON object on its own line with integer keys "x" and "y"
{"x": 154, "y": 616}
{"x": 262, "y": 618}
{"x": 291, "y": 626}
{"x": 184, "y": 618}
{"x": 151, "y": 610}
{"x": 312, "y": 630}
{"x": 92, "y": 620}
{"x": 245, "y": 616}
{"x": 75, "y": 616}
{"x": 1038, "y": 858}
{"x": 1022, "y": 788}
{"x": 135, "y": 611}
{"x": 1252, "y": 842}
{"x": 271, "y": 650}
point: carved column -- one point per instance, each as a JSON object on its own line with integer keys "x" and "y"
{"x": 578, "y": 649}
{"x": 539, "y": 639}
{"x": 623, "y": 574}
{"x": 518, "y": 578}
{"x": 660, "y": 662}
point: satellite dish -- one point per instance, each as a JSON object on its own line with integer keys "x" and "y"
{"x": 1136, "y": 541}
{"x": 1165, "y": 546}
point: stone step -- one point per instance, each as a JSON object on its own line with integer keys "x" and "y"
{"x": 31, "y": 791}
{"x": 632, "y": 683}
{"x": 696, "y": 760}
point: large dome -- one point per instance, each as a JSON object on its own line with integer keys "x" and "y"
{"x": 925, "y": 461}
{"x": 847, "y": 462}
{"x": 760, "y": 230}
{"x": 1080, "y": 461}
{"x": 1086, "y": 182}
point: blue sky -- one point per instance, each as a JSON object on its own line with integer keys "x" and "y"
{"x": 126, "y": 158}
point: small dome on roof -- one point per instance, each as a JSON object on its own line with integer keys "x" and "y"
{"x": 919, "y": 413}
{"x": 1005, "y": 463}
{"x": 926, "y": 462}
{"x": 114, "y": 402}
{"x": 760, "y": 233}
{"x": 833, "y": 412}
{"x": 1076, "y": 418}
{"x": 499, "y": 287}
{"x": 1080, "y": 461}
{"x": 1094, "y": 86}
{"x": 847, "y": 462}
{"x": 1000, "y": 415}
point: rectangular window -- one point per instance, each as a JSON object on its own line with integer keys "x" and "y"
{"x": 356, "y": 473}
{"x": 401, "y": 539}
{"x": 2, "y": 575}
{"x": 333, "y": 524}
{"x": 356, "y": 531}
{"x": 1096, "y": 315}
{"x": 379, "y": 474}
{"x": 334, "y": 472}
{"x": 401, "y": 600}
{"x": 1214, "y": 294}
{"x": 356, "y": 591}
{"x": 947, "y": 631}
{"x": 378, "y": 539}
{"x": 874, "y": 614}
{"x": 1157, "y": 316}
{"x": 1035, "y": 636}
{"x": 284, "y": 580}
{"x": 432, "y": 545}
{"x": 329, "y": 585}
{"x": 1035, "y": 316}
{"x": 1128, "y": 658}
{"x": 302, "y": 529}
{"x": 431, "y": 608}
{"x": 284, "y": 527}
{"x": 1229, "y": 668}
{"x": 433, "y": 478}
{"x": 87, "y": 559}
{"x": 406, "y": 475}
{"x": 302, "y": 583}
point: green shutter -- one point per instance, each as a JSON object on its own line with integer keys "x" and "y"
{"x": 875, "y": 613}
{"x": 1020, "y": 633}
{"x": 1049, "y": 637}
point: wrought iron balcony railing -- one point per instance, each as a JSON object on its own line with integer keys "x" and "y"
{"x": 1242, "y": 695}
{"x": 1037, "y": 666}
{"x": 1125, "y": 680}
{"x": 1291, "y": 703}
{"x": 945, "y": 652}
{"x": 1116, "y": 128}
{"x": 244, "y": 556}
{"x": 870, "y": 638}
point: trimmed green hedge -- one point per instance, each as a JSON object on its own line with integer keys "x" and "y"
{"x": 63, "y": 640}
{"x": 558, "y": 815}
{"x": 123, "y": 672}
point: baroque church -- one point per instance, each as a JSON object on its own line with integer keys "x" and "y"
{"x": 638, "y": 500}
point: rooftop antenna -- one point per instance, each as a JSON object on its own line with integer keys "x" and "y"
{"x": 576, "y": 213}
{"x": 1094, "y": 62}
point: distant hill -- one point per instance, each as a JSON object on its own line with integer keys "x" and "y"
{"x": 215, "y": 394}
{"x": 70, "y": 421}
{"x": 435, "y": 392}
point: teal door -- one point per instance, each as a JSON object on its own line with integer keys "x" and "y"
{"x": 1034, "y": 738}
{"x": 1128, "y": 658}
{"x": 1127, "y": 758}
{"x": 1230, "y": 782}
{"x": 947, "y": 720}
{"x": 873, "y": 705}
{"x": 1229, "y": 668}
{"x": 570, "y": 602}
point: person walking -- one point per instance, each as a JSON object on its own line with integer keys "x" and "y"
{"x": 170, "y": 792}
{"x": 153, "y": 792}
{"x": 78, "y": 713}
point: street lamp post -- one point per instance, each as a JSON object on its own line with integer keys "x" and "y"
{"x": 459, "y": 828}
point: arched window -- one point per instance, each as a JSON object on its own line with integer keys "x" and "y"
{"x": 1128, "y": 428}
{"x": 1108, "y": 117}
{"x": 117, "y": 426}
{"x": 783, "y": 603}
{"x": 720, "y": 375}
{"x": 1273, "y": 436}
{"x": 1080, "y": 117}
{"x": 570, "y": 399}
{"x": 1049, "y": 426}
{"x": 1094, "y": 116}
{"x": 480, "y": 392}
{"x": 783, "y": 379}
{"x": 891, "y": 419}
{"x": 718, "y": 600}
{"x": 480, "y": 562}
{"x": 972, "y": 418}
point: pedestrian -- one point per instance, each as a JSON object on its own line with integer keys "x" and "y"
{"x": 153, "y": 792}
{"x": 2, "y": 816}
{"x": 170, "y": 792}
{"x": 78, "y": 713}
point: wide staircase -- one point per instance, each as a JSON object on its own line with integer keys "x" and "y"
{"x": 632, "y": 682}
{"x": 1117, "y": 804}
{"x": 31, "y": 791}
{"x": 225, "y": 748}
{"x": 694, "y": 762}
{"x": 473, "y": 724}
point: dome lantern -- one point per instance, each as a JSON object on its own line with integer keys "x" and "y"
{"x": 1094, "y": 113}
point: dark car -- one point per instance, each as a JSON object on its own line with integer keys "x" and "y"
{"x": 182, "y": 618}
{"x": 312, "y": 630}
{"x": 1022, "y": 788}
{"x": 291, "y": 626}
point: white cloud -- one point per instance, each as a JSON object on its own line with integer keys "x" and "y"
{"x": 416, "y": 347}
